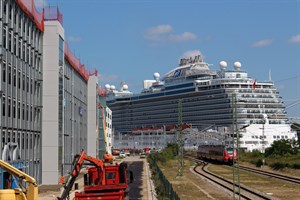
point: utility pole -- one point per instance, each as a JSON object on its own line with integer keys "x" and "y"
{"x": 263, "y": 141}
{"x": 179, "y": 141}
{"x": 235, "y": 145}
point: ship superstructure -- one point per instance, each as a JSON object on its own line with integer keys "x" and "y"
{"x": 210, "y": 99}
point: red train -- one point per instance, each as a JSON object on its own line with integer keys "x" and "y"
{"x": 217, "y": 152}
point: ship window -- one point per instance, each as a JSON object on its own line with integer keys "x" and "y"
{"x": 274, "y": 136}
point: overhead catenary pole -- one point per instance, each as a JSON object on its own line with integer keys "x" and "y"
{"x": 235, "y": 145}
{"x": 179, "y": 140}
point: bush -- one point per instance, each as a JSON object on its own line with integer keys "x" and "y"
{"x": 296, "y": 166}
{"x": 282, "y": 147}
{"x": 279, "y": 165}
{"x": 259, "y": 163}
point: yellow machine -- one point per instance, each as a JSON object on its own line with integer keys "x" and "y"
{"x": 28, "y": 188}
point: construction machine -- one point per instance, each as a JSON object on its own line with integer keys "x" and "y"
{"x": 28, "y": 189}
{"x": 101, "y": 182}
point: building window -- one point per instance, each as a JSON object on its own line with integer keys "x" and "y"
{"x": 23, "y": 82}
{"x": 9, "y": 74}
{"x": 10, "y": 35}
{"x": 15, "y": 78}
{"x": 14, "y": 109}
{"x": 27, "y": 113}
{"x": 23, "y": 112}
{"x": 19, "y": 110}
{"x": 4, "y": 37}
{"x": 19, "y": 80}
{"x": 31, "y": 86}
{"x": 61, "y": 51}
{"x": 3, "y": 107}
{"x": 4, "y": 72}
{"x": 27, "y": 84}
{"x": 9, "y": 108}
{"x": 19, "y": 48}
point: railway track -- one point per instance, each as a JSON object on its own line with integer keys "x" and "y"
{"x": 265, "y": 173}
{"x": 273, "y": 175}
{"x": 244, "y": 193}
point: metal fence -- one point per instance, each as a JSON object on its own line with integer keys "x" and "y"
{"x": 166, "y": 191}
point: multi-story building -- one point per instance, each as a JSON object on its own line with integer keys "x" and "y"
{"x": 21, "y": 79}
{"x": 104, "y": 116}
{"x": 47, "y": 95}
{"x": 65, "y": 101}
{"x": 108, "y": 120}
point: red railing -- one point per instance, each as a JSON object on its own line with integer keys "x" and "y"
{"x": 75, "y": 63}
{"x": 95, "y": 72}
{"x": 101, "y": 91}
{"x": 53, "y": 13}
{"x": 29, "y": 8}
{"x": 167, "y": 127}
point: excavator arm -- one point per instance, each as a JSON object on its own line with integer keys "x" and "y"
{"x": 77, "y": 164}
{"x": 32, "y": 191}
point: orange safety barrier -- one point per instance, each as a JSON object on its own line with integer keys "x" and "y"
{"x": 62, "y": 180}
{"x": 29, "y": 8}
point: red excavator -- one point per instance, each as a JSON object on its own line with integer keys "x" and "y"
{"x": 103, "y": 181}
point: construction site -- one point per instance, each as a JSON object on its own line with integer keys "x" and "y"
{"x": 54, "y": 121}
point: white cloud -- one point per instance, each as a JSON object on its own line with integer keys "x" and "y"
{"x": 164, "y": 33}
{"x": 73, "y": 39}
{"x": 160, "y": 29}
{"x": 191, "y": 53}
{"x": 263, "y": 43}
{"x": 295, "y": 39}
{"x": 186, "y": 36}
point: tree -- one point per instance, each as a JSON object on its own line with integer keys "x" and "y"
{"x": 282, "y": 147}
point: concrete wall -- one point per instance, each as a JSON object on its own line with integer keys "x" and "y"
{"x": 53, "y": 30}
{"x": 92, "y": 116}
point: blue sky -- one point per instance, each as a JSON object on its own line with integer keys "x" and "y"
{"x": 129, "y": 40}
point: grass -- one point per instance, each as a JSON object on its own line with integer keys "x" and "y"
{"x": 261, "y": 183}
{"x": 189, "y": 186}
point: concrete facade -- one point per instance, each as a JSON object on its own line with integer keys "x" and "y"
{"x": 50, "y": 142}
{"x": 92, "y": 116}
{"x": 48, "y": 102}
{"x": 65, "y": 105}
{"x": 21, "y": 79}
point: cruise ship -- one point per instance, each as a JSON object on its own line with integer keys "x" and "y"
{"x": 209, "y": 106}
